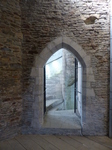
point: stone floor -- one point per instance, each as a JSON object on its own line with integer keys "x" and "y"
{"x": 52, "y": 142}
{"x": 65, "y": 119}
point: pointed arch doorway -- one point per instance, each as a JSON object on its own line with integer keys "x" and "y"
{"x": 38, "y": 73}
{"x": 62, "y": 91}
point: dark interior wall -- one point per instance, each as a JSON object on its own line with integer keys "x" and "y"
{"x": 85, "y": 22}
{"x": 10, "y": 68}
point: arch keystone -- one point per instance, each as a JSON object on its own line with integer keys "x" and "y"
{"x": 58, "y": 41}
{"x": 66, "y": 40}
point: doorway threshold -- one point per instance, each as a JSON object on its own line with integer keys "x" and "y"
{"x": 62, "y": 119}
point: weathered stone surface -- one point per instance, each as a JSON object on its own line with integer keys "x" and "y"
{"x": 10, "y": 68}
{"x": 43, "y": 21}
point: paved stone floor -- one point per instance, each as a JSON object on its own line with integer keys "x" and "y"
{"x": 53, "y": 142}
{"x": 66, "y": 119}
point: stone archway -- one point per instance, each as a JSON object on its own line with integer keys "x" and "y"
{"x": 38, "y": 72}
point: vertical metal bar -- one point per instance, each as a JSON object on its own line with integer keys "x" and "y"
{"x": 44, "y": 90}
{"x": 75, "y": 85}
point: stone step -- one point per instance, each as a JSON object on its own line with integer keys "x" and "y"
{"x": 52, "y": 131}
{"x": 50, "y": 104}
{"x": 58, "y": 131}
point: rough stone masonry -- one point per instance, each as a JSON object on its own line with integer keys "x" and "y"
{"x": 10, "y": 68}
{"x": 26, "y": 27}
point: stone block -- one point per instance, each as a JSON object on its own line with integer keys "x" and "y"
{"x": 39, "y": 62}
{"x": 87, "y": 60}
{"x": 40, "y": 81}
{"x": 52, "y": 47}
{"x": 90, "y": 78}
{"x": 34, "y": 72}
{"x": 86, "y": 84}
{"x": 38, "y": 90}
{"x": 57, "y": 41}
{"x": 90, "y": 92}
{"x": 45, "y": 54}
{"x": 89, "y": 71}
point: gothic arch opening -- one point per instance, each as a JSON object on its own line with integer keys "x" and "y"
{"x": 62, "y": 91}
{"x": 38, "y": 73}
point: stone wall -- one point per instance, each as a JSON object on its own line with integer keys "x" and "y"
{"x": 10, "y": 68}
{"x": 86, "y": 22}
